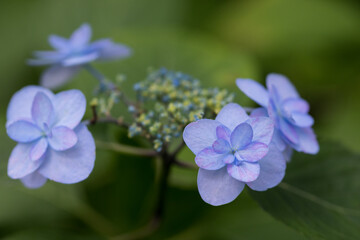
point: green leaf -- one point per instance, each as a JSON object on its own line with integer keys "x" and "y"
{"x": 319, "y": 195}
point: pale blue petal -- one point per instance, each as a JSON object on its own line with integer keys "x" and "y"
{"x": 62, "y": 138}
{"x": 229, "y": 158}
{"x": 301, "y": 119}
{"x": 278, "y": 140}
{"x": 20, "y": 164}
{"x": 295, "y": 105}
{"x": 23, "y": 131}
{"x": 81, "y": 36}
{"x": 59, "y": 43}
{"x": 69, "y": 107}
{"x": 200, "y": 134}
{"x": 42, "y": 110}
{"x": 33, "y": 180}
{"x": 245, "y": 172}
{"x": 241, "y": 136}
{"x": 80, "y": 60}
{"x": 38, "y": 150}
{"x": 307, "y": 140}
{"x": 232, "y": 115}
{"x": 20, "y": 104}
{"x": 259, "y": 112}
{"x": 287, "y": 153}
{"x": 288, "y": 131}
{"x": 209, "y": 159}
{"x": 223, "y": 132}
{"x": 263, "y": 129}
{"x": 73, "y": 165}
{"x": 272, "y": 170}
{"x": 221, "y": 146}
{"x": 254, "y": 90}
{"x": 108, "y": 50}
{"x": 252, "y": 152}
{"x": 217, "y": 187}
{"x": 283, "y": 86}
{"x": 57, "y": 76}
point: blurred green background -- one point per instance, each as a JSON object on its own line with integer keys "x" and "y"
{"x": 316, "y": 43}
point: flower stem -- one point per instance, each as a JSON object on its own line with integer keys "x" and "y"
{"x": 95, "y": 73}
{"x": 121, "y": 148}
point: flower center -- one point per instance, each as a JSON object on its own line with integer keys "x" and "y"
{"x": 46, "y": 130}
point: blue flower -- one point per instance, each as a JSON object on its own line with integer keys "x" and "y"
{"x": 288, "y": 110}
{"x": 52, "y": 143}
{"x": 231, "y": 151}
{"x": 71, "y": 54}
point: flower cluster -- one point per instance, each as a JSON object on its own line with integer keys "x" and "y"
{"x": 169, "y": 101}
{"x": 72, "y": 54}
{"x": 52, "y": 143}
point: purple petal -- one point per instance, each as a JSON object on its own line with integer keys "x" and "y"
{"x": 23, "y": 131}
{"x": 108, "y": 50}
{"x": 254, "y": 90}
{"x": 221, "y": 146}
{"x": 302, "y": 120}
{"x": 245, "y": 172}
{"x": 57, "y": 75}
{"x": 81, "y": 36}
{"x": 232, "y": 115}
{"x": 288, "y": 131}
{"x": 20, "y": 104}
{"x": 217, "y": 187}
{"x": 38, "y": 149}
{"x": 200, "y": 134}
{"x": 209, "y": 159}
{"x": 223, "y": 132}
{"x": 282, "y": 85}
{"x": 259, "y": 112}
{"x": 73, "y": 165}
{"x": 62, "y": 138}
{"x": 307, "y": 140}
{"x": 241, "y": 136}
{"x": 20, "y": 163}
{"x": 80, "y": 60}
{"x": 272, "y": 170}
{"x": 33, "y": 180}
{"x": 263, "y": 129}
{"x": 253, "y": 152}
{"x": 42, "y": 110}
{"x": 70, "y": 107}
{"x": 295, "y": 105}
{"x": 59, "y": 43}
{"x": 278, "y": 140}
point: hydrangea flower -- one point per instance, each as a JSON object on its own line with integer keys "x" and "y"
{"x": 231, "y": 151}
{"x": 72, "y": 54}
{"x": 289, "y": 111}
{"x": 52, "y": 143}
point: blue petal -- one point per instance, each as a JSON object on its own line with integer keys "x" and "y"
{"x": 221, "y": 146}
{"x": 245, "y": 172}
{"x": 200, "y": 134}
{"x": 254, "y": 90}
{"x": 81, "y": 36}
{"x": 223, "y": 132}
{"x": 73, "y": 165}
{"x": 272, "y": 170}
{"x": 108, "y": 50}
{"x": 217, "y": 187}
{"x": 20, "y": 163}
{"x": 59, "y": 43}
{"x": 70, "y": 107}
{"x": 252, "y": 152}
{"x": 232, "y": 115}
{"x": 241, "y": 136}
{"x": 80, "y": 60}
{"x": 259, "y": 112}
{"x": 283, "y": 86}
{"x": 307, "y": 140}
{"x": 38, "y": 150}
{"x": 42, "y": 110}
{"x": 23, "y": 131}
{"x": 62, "y": 138}
{"x": 295, "y": 105}
{"x": 58, "y": 75}
{"x": 209, "y": 159}
{"x": 288, "y": 131}
{"x": 301, "y": 119}
{"x": 278, "y": 140}
{"x": 263, "y": 129}
{"x": 33, "y": 180}
{"x": 20, "y": 104}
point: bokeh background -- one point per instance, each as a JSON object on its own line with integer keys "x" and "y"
{"x": 316, "y": 43}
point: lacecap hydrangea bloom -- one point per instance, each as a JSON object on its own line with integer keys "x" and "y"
{"x": 282, "y": 103}
{"x": 72, "y": 54}
{"x": 232, "y": 151}
{"x": 52, "y": 142}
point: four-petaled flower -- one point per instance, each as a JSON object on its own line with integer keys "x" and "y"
{"x": 231, "y": 151}
{"x": 71, "y": 54}
{"x": 282, "y": 103}
{"x": 52, "y": 143}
